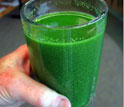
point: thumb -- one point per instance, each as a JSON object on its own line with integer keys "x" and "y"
{"x": 24, "y": 88}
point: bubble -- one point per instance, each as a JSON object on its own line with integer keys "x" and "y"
{"x": 80, "y": 39}
{"x": 63, "y": 41}
{"x": 57, "y": 40}
{"x": 72, "y": 39}
{"x": 41, "y": 39}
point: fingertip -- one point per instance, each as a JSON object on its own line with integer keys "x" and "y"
{"x": 53, "y": 99}
{"x": 64, "y": 102}
{"x": 22, "y": 51}
{"x": 22, "y": 48}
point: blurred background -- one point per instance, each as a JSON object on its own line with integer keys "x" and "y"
{"x": 109, "y": 88}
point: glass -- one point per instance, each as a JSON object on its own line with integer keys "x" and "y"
{"x": 64, "y": 38}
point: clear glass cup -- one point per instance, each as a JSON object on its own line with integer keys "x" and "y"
{"x": 64, "y": 38}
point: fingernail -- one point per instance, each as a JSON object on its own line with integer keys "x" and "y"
{"x": 64, "y": 103}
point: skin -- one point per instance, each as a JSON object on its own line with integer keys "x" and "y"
{"x": 16, "y": 87}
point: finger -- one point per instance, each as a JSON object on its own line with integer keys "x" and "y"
{"x": 22, "y": 52}
{"x": 19, "y": 57}
{"x": 23, "y": 57}
{"x": 15, "y": 104}
{"x": 24, "y": 88}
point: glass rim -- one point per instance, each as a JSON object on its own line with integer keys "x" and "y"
{"x": 103, "y": 14}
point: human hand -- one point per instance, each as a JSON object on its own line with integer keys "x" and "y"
{"x": 16, "y": 87}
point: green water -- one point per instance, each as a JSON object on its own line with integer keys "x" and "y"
{"x": 66, "y": 58}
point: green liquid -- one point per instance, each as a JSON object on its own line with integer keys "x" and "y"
{"x": 66, "y": 59}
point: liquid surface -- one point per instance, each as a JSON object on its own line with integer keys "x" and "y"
{"x": 67, "y": 60}
{"x": 64, "y": 19}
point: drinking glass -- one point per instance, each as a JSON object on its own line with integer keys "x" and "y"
{"x": 64, "y": 39}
